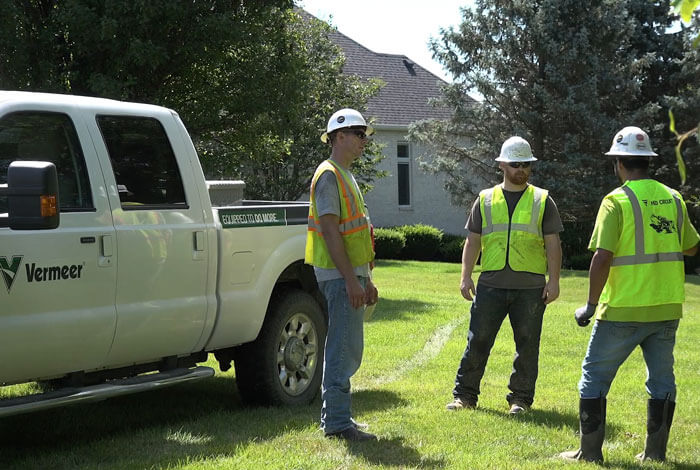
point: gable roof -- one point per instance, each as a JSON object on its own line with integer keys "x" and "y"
{"x": 408, "y": 87}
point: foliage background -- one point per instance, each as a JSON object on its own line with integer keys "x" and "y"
{"x": 254, "y": 82}
{"x": 566, "y": 75}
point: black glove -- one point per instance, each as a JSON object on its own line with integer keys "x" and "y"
{"x": 584, "y": 314}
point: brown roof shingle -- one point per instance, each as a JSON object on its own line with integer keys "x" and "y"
{"x": 408, "y": 87}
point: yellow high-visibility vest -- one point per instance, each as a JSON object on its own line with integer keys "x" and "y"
{"x": 353, "y": 223}
{"x": 647, "y": 266}
{"x": 520, "y": 235}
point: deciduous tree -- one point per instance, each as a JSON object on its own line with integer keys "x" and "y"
{"x": 252, "y": 82}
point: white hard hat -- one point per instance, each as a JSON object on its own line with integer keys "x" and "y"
{"x": 631, "y": 142}
{"x": 516, "y": 149}
{"x": 343, "y": 118}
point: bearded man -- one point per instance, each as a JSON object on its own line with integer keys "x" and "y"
{"x": 515, "y": 226}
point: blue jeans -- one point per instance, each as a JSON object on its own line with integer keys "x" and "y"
{"x": 525, "y": 309}
{"x": 611, "y": 344}
{"x": 342, "y": 357}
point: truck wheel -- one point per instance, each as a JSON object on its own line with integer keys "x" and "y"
{"x": 284, "y": 365}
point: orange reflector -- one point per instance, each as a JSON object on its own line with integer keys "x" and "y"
{"x": 48, "y": 206}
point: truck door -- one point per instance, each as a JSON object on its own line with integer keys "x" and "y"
{"x": 162, "y": 274}
{"x": 58, "y": 286}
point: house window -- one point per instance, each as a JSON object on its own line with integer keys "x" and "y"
{"x": 404, "y": 173}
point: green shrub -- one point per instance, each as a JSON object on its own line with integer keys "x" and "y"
{"x": 574, "y": 243}
{"x": 388, "y": 243}
{"x": 581, "y": 262}
{"x": 422, "y": 242}
{"x": 451, "y": 248}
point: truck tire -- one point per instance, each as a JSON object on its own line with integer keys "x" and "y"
{"x": 284, "y": 365}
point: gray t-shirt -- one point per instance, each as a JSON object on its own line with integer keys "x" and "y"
{"x": 328, "y": 202}
{"x": 506, "y": 278}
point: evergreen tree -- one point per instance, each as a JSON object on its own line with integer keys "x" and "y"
{"x": 683, "y": 99}
{"x": 563, "y": 74}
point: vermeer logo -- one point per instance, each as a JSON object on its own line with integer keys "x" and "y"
{"x": 9, "y": 269}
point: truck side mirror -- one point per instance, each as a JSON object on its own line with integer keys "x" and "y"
{"x": 32, "y": 195}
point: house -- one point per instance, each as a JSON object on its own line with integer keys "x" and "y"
{"x": 408, "y": 195}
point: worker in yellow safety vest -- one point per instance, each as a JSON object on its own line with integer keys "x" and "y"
{"x": 636, "y": 293}
{"x": 339, "y": 246}
{"x": 515, "y": 226}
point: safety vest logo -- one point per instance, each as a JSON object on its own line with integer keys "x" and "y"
{"x": 662, "y": 224}
{"x": 9, "y": 269}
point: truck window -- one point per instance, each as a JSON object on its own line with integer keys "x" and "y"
{"x": 143, "y": 161}
{"x": 51, "y": 137}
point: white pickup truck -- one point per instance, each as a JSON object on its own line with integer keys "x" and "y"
{"x": 119, "y": 276}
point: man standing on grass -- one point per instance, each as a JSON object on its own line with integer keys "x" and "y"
{"x": 339, "y": 246}
{"x": 636, "y": 292}
{"x": 516, "y": 228}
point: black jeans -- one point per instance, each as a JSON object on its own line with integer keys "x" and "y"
{"x": 525, "y": 309}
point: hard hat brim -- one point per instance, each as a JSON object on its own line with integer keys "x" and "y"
{"x": 501, "y": 158}
{"x": 617, "y": 153}
{"x": 369, "y": 130}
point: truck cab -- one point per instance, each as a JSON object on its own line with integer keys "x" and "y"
{"x": 142, "y": 274}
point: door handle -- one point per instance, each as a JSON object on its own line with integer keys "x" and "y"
{"x": 199, "y": 242}
{"x": 106, "y": 245}
{"x": 106, "y": 251}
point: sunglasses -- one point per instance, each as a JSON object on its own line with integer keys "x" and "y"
{"x": 519, "y": 164}
{"x": 359, "y": 133}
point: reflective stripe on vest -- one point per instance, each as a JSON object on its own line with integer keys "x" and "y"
{"x": 356, "y": 219}
{"x": 647, "y": 266}
{"x": 353, "y": 223}
{"x": 523, "y": 229}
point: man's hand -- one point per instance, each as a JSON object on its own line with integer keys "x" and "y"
{"x": 467, "y": 289}
{"x": 371, "y": 293}
{"x": 356, "y": 294}
{"x": 550, "y": 292}
{"x": 584, "y": 314}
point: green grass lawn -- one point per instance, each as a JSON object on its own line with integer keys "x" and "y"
{"x": 413, "y": 345}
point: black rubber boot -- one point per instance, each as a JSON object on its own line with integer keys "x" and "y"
{"x": 659, "y": 419}
{"x": 592, "y": 421}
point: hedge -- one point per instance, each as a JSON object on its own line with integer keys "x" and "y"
{"x": 451, "y": 248}
{"x": 388, "y": 243}
{"x": 422, "y": 242}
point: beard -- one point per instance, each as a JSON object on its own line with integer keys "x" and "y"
{"x": 518, "y": 178}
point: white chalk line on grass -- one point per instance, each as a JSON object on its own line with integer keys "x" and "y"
{"x": 430, "y": 350}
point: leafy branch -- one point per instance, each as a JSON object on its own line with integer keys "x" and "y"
{"x": 685, "y": 8}
{"x": 680, "y": 138}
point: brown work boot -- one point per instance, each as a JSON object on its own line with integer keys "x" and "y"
{"x": 517, "y": 408}
{"x": 352, "y": 434}
{"x": 461, "y": 404}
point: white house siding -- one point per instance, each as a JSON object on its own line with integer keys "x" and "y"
{"x": 429, "y": 201}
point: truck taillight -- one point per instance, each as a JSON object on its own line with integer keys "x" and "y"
{"x": 48, "y": 205}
